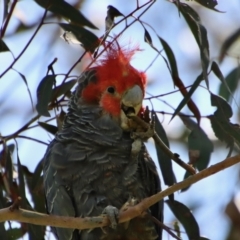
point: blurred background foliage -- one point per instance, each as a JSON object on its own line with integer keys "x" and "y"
{"x": 190, "y": 53}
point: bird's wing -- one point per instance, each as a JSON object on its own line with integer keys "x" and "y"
{"x": 58, "y": 199}
{"x": 152, "y": 184}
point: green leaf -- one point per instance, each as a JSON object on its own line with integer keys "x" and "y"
{"x": 36, "y": 232}
{"x": 36, "y": 175}
{"x": 26, "y": 83}
{"x": 231, "y": 82}
{"x": 38, "y": 196}
{"x": 199, "y": 145}
{"x": 184, "y": 215}
{"x": 38, "y": 199}
{"x": 219, "y": 128}
{"x": 2, "y": 198}
{"x": 230, "y": 41}
{"x": 208, "y": 3}
{"x": 171, "y": 58}
{"x": 7, "y": 163}
{"x": 200, "y": 148}
{"x": 178, "y": 82}
{"x": 215, "y": 68}
{"x": 62, "y": 89}
{"x": 44, "y": 94}
{"x": 10, "y": 147}
{"x": 34, "y": 182}
{"x": 67, "y": 11}
{"x": 188, "y": 96}
{"x": 88, "y": 40}
{"x": 221, "y": 125}
{"x": 21, "y": 183}
{"x": 200, "y": 34}
{"x": 26, "y": 172}
{"x": 164, "y": 161}
{"x": 9, "y": 166}
{"x": 147, "y": 37}
{"x": 224, "y": 110}
{"x": 3, "y": 232}
{"x": 186, "y": 175}
{"x": 15, "y": 233}
{"x": 3, "y": 46}
{"x": 48, "y": 127}
{"x": 112, "y": 12}
{"x": 37, "y": 189}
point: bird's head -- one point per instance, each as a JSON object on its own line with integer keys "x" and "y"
{"x": 117, "y": 87}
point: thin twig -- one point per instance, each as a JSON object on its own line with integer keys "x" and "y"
{"x": 25, "y": 48}
{"x": 32, "y": 139}
{"x": 4, "y": 28}
{"x": 26, "y": 216}
{"x": 126, "y": 27}
{"x": 163, "y": 226}
{"x": 183, "y": 115}
{"x": 164, "y": 94}
{"x": 161, "y": 144}
{"x": 23, "y": 128}
{"x": 101, "y": 52}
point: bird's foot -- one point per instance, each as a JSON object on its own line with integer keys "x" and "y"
{"x": 112, "y": 213}
{"x": 130, "y": 203}
{"x": 144, "y": 135}
{"x": 141, "y": 134}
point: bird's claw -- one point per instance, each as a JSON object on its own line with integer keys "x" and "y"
{"x": 112, "y": 213}
{"x": 144, "y": 135}
{"x": 130, "y": 203}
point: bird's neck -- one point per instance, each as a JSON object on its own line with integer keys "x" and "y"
{"x": 91, "y": 122}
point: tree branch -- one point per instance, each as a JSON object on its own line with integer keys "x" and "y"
{"x": 26, "y": 46}
{"x": 26, "y": 216}
{"x": 6, "y": 21}
{"x": 175, "y": 157}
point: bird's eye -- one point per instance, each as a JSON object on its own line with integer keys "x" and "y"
{"x": 111, "y": 90}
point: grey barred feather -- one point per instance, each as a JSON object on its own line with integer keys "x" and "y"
{"x": 88, "y": 166}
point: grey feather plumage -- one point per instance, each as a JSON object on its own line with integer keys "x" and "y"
{"x": 88, "y": 166}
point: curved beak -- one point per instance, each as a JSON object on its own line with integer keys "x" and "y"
{"x": 132, "y": 101}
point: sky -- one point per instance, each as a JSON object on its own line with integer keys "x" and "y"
{"x": 207, "y": 198}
